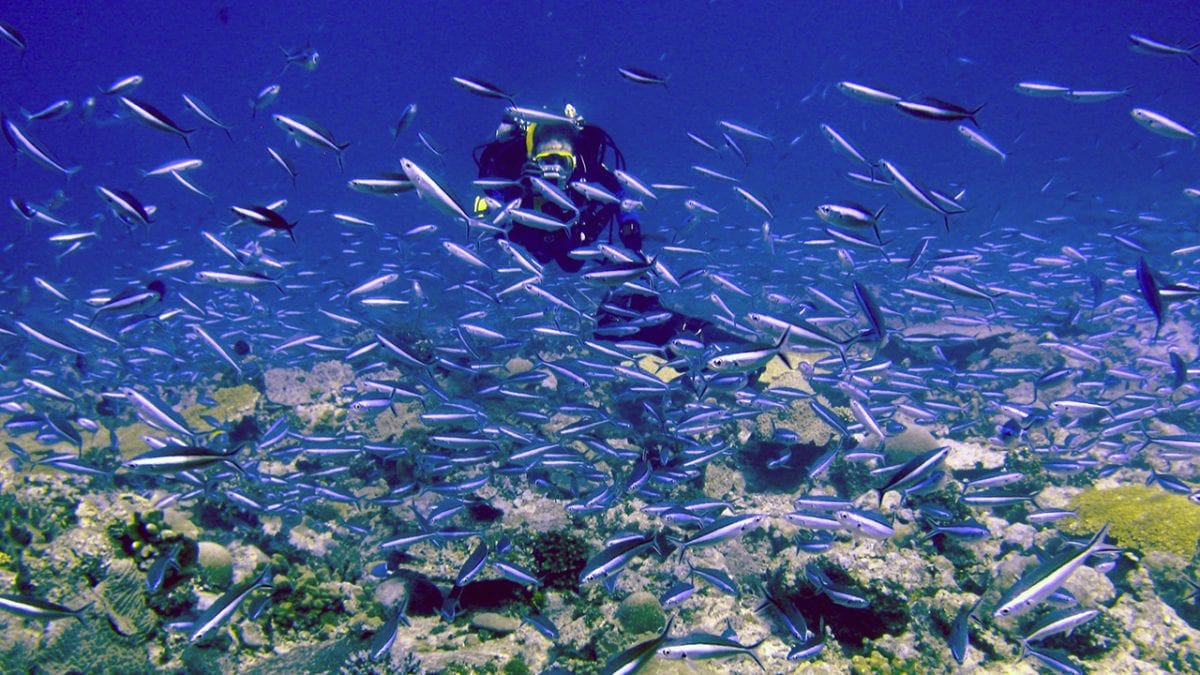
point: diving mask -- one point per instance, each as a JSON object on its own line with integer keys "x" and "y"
{"x": 555, "y": 165}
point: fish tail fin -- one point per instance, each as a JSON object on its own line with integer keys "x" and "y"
{"x": 844, "y": 344}
{"x": 340, "y": 149}
{"x": 781, "y": 348}
{"x": 974, "y": 113}
{"x": 1146, "y": 436}
{"x": 78, "y": 614}
{"x": 264, "y": 580}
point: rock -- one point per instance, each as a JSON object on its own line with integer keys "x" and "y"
{"x": 1158, "y": 635}
{"x": 518, "y": 365}
{"x": 252, "y": 635}
{"x": 308, "y": 540}
{"x": 215, "y": 563}
{"x": 639, "y": 613}
{"x": 179, "y": 522}
{"x": 391, "y": 592}
{"x": 911, "y": 441}
{"x": 1019, "y": 536}
{"x": 248, "y": 560}
{"x": 973, "y": 455}
{"x": 1090, "y": 587}
{"x": 497, "y": 623}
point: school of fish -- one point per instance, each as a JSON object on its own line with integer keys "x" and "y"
{"x": 473, "y": 378}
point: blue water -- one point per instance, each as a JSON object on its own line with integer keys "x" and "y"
{"x": 770, "y": 67}
{"x": 1076, "y": 174}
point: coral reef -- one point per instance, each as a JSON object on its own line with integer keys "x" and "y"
{"x": 93, "y": 647}
{"x": 308, "y": 604}
{"x": 36, "y": 512}
{"x": 122, "y": 598}
{"x": 142, "y": 534}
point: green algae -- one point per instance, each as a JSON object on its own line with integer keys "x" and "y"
{"x": 1142, "y": 517}
{"x": 559, "y": 557}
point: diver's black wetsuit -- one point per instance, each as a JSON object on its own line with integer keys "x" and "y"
{"x": 508, "y": 160}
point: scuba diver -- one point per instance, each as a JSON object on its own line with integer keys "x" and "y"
{"x": 549, "y": 176}
{"x": 552, "y": 166}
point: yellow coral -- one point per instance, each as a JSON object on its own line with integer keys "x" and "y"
{"x": 778, "y": 373}
{"x": 654, "y": 365}
{"x": 876, "y": 662}
{"x": 1143, "y": 517}
{"x": 232, "y": 403}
